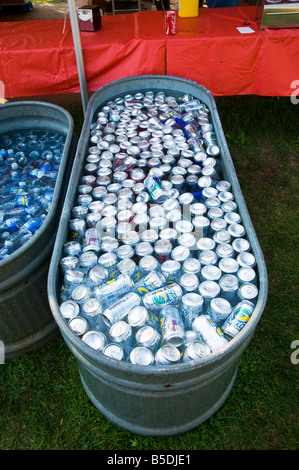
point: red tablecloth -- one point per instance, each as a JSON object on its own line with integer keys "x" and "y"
{"x": 38, "y": 57}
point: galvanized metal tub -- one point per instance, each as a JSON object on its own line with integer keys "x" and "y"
{"x": 26, "y": 322}
{"x": 156, "y": 400}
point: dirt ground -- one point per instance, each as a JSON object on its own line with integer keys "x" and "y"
{"x": 40, "y": 11}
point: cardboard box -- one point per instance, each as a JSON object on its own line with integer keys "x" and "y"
{"x": 89, "y": 18}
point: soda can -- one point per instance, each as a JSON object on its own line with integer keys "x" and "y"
{"x": 210, "y": 273}
{"x": 205, "y": 243}
{"x": 69, "y": 262}
{"x": 238, "y": 318}
{"x": 152, "y": 281}
{"x": 142, "y": 356}
{"x": 140, "y": 316}
{"x": 229, "y": 285}
{"x": 150, "y": 236}
{"x": 207, "y": 257}
{"x": 248, "y": 291}
{"x": 148, "y": 337}
{"x": 196, "y": 350}
{"x": 240, "y": 245}
{"x": 191, "y": 266}
{"x": 169, "y": 234}
{"x": 167, "y": 355}
{"x": 222, "y": 236}
{"x": 125, "y": 252}
{"x": 208, "y": 290}
{"x": 78, "y": 325}
{"x": 114, "y": 287}
{"x": 188, "y": 240}
{"x": 81, "y": 293}
{"x": 109, "y": 262}
{"x": 69, "y": 309}
{"x": 246, "y": 259}
{"x": 189, "y": 282}
{"x": 172, "y": 326}
{"x": 120, "y": 309}
{"x": 96, "y": 276}
{"x": 180, "y": 253}
{"x": 192, "y": 305}
{"x": 201, "y": 226}
{"x": 157, "y": 299}
{"x": 232, "y": 218}
{"x": 247, "y": 275}
{"x": 208, "y": 332}
{"x": 148, "y": 263}
{"x": 236, "y": 230}
{"x": 95, "y": 339}
{"x": 155, "y": 190}
{"x": 114, "y": 351}
{"x": 190, "y": 336}
{"x": 224, "y": 250}
{"x": 162, "y": 249}
{"x": 129, "y": 267}
{"x": 77, "y": 229}
{"x": 228, "y": 265}
{"x": 219, "y": 310}
{"x": 171, "y": 270}
{"x": 170, "y": 23}
{"x": 121, "y": 333}
{"x": 143, "y": 249}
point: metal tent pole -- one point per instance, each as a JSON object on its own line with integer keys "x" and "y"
{"x": 78, "y": 52}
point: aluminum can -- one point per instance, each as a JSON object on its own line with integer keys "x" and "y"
{"x": 148, "y": 263}
{"x": 222, "y": 236}
{"x": 114, "y": 351}
{"x": 140, "y": 316}
{"x": 236, "y": 230}
{"x": 150, "y": 236}
{"x": 121, "y": 308}
{"x": 78, "y": 325}
{"x": 247, "y": 275}
{"x": 188, "y": 240}
{"x": 240, "y": 245}
{"x": 246, "y": 259}
{"x": 190, "y": 336}
{"x": 157, "y": 299}
{"x": 208, "y": 332}
{"x": 167, "y": 355}
{"x": 142, "y": 356}
{"x": 196, "y": 350}
{"x": 121, "y": 332}
{"x": 238, "y": 318}
{"x": 210, "y": 273}
{"x": 172, "y": 326}
{"x": 96, "y": 276}
{"x": 109, "y": 262}
{"x": 228, "y": 265}
{"x": 201, "y": 226}
{"x": 171, "y": 271}
{"x": 69, "y": 262}
{"x": 77, "y": 229}
{"x": 169, "y": 234}
{"x": 129, "y": 267}
{"x": 248, "y": 291}
{"x": 229, "y": 285}
{"x": 180, "y": 253}
{"x": 95, "y": 339}
{"x": 148, "y": 337}
{"x": 207, "y": 257}
{"x": 219, "y": 310}
{"x": 81, "y": 293}
{"x": 69, "y": 309}
{"x": 192, "y": 305}
{"x": 125, "y": 252}
{"x": 151, "y": 282}
{"x": 206, "y": 243}
{"x": 224, "y": 250}
{"x": 153, "y": 187}
{"x": 189, "y": 282}
{"x": 191, "y": 266}
{"x": 92, "y": 241}
{"x": 114, "y": 287}
{"x": 143, "y": 249}
{"x": 217, "y": 224}
{"x": 208, "y": 290}
{"x": 162, "y": 249}
{"x": 232, "y": 218}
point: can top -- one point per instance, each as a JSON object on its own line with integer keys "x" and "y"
{"x": 246, "y": 274}
{"x": 69, "y": 309}
{"x": 240, "y": 245}
{"x": 142, "y": 356}
{"x": 145, "y": 334}
{"x": 197, "y": 350}
{"x": 118, "y": 330}
{"x": 189, "y": 281}
{"x": 148, "y": 263}
{"x": 95, "y": 339}
{"x": 248, "y": 291}
{"x": 170, "y": 354}
{"x": 180, "y": 253}
{"x": 78, "y": 325}
{"x": 192, "y": 299}
{"x": 91, "y": 306}
{"x": 246, "y": 259}
{"x": 228, "y": 265}
{"x": 114, "y": 351}
{"x": 137, "y": 316}
{"x": 221, "y": 305}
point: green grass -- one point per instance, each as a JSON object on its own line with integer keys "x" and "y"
{"x": 43, "y": 404}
